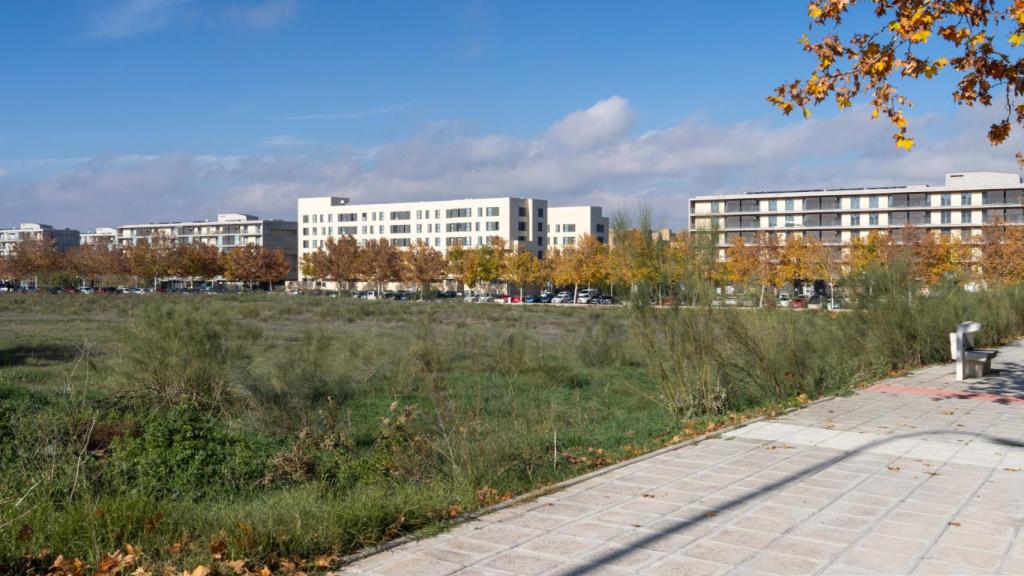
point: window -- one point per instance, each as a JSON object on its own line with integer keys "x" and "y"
{"x": 305, "y": 218}
{"x": 773, "y": 221}
{"x": 458, "y": 227}
{"x": 437, "y": 214}
{"x": 600, "y": 227}
{"x": 399, "y": 241}
{"x": 522, "y": 212}
{"x": 479, "y": 240}
{"x": 437, "y": 241}
{"x": 347, "y": 217}
{"x": 404, "y": 215}
{"x": 364, "y": 229}
{"x": 714, "y": 207}
{"x": 946, "y": 199}
{"x": 493, "y": 211}
{"x": 540, "y": 240}
{"x": 373, "y": 216}
{"x": 305, "y": 231}
{"x": 492, "y": 226}
{"x": 569, "y": 240}
{"x": 305, "y": 243}
{"x": 540, "y": 226}
{"x": 790, "y": 220}
{"x": 419, "y": 214}
{"x": 347, "y": 230}
{"x": 789, "y": 205}
{"x": 459, "y": 213}
{"x": 855, "y": 203}
{"x": 873, "y": 202}
{"x": 773, "y": 205}
{"x": 419, "y": 228}
{"x": 855, "y": 220}
{"x": 873, "y": 219}
{"x": 522, "y": 226}
{"x": 329, "y": 217}
{"x": 965, "y": 198}
{"x": 540, "y": 212}
{"x": 965, "y": 217}
{"x": 364, "y": 216}
{"x": 479, "y": 212}
{"x": 553, "y": 240}
{"x": 477, "y": 226}
{"x": 945, "y": 217}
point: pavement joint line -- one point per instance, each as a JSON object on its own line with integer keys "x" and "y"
{"x": 945, "y": 393}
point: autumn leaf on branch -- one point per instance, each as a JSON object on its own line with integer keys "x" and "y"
{"x": 912, "y": 39}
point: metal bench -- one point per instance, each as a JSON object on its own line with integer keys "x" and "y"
{"x": 971, "y": 362}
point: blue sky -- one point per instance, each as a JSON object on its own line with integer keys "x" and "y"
{"x": 140, "y": 110}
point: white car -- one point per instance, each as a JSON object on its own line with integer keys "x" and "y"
{"x": 562, "y": 298}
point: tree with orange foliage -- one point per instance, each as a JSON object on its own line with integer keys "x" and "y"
{"x": 423, "y": 265}
{"x": 766, "y": 252}
{"x": 196, "y": 261}
{"x": 521, "y": 268}
{"x": 741, "y": 264}
{"x": 379, "y": 262}
{"x": 33, "y": 258}
{"x": 255, "y": 264}
{"x": 825, "y": 263}
{"x": 1002, "y": 253}
{"x": 150, "y": 258}
{"x": 337, "y": 260}
{"x": 93, "y": 262}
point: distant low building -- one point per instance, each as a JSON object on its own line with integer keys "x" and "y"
{"x": 103, "y": 236}
{"x": 64, "y": 238}
{"x": 960, "y": 209}
{"x": 227, "y": 232}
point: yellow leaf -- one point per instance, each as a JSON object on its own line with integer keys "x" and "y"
{"x": 813, "y": 10}
{"x": 920, "y": 36}
{"x": 1016, "y": 38}
{"x": 807, "y": 113}
{"x": 874, "y": 113}
{"x": 905, "y": 143}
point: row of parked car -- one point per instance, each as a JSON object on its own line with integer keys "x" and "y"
{"x": 587, "y": 296}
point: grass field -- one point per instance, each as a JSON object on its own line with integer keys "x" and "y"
{"x": 334, "y": 425}
{"x": 289, "y": 431}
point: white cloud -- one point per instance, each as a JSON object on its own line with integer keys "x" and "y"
{"x": 587, "y": 157}
{"x": 603, "y": 122}
{"x": 131, "y": 17}
{"x": 286, "y": 141}
{"x": 262, "y": 15}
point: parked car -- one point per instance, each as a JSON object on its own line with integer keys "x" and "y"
{"x": 587, "y": 295}
{"x": 798, "y": 302}
{"x": 604, "y": 299}
{"x": 562, "y": 298}
{"x": 784, "y": 300}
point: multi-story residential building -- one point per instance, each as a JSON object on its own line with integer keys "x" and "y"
{"x": 64, "y": 238}
{"x": 106, "y": 236}
{"x": 959, "y": 208}
{"x": 566, "y": 224}
{"x": 227, "y": 232}
{"x": 522, "y": 223}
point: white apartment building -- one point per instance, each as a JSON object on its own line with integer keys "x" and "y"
{"x": 64, "y": 238}
{"x": 965, "y": 203}
{"x": 227, "y": 232}
{"x": 523, "y": 223}
{"x": 105, "y": 236}
{"x": 568, "y": 223}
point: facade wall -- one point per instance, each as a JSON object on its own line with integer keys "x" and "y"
{"x": 959, "y": 208}
{"x": 64, "y": 238}
{"x": 567, "y": 224}
{"x": 520, "y": 222}
{"x": 106, "y": 236}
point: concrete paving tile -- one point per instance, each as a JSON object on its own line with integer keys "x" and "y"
{"x": 884, "y": 562}
{"x": 969, "y": 557}
{"x": 804, "y": 548}
{"x": 590, "y": 530}
{"x": 717, "y": 552}
{"x": 1012, "y": 565}
{"x": 894, "y": 545}
{"x": 937, "y": 568}
{"x": 559, "y": 545}
{"x": 538, "y": 521}
{"x": 978, "y": 541}
{"x": 584, "y": 569}
{"x": 626, "y": 557}
{"x": 505, "y": 535}
{"x": 741, "y": 537}
{"x": 827, "y": 534}
{"x": 417, "y": 564}
{"x": 775, "y": 563}
{"x": 520, "y": 562}
{"x": 764, "y": 524}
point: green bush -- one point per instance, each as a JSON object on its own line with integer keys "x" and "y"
{"x": 186, "y": 453}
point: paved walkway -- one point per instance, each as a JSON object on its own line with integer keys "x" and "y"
{"x": 918, "y": 475}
